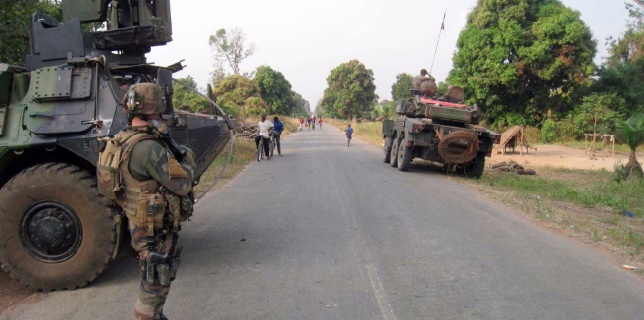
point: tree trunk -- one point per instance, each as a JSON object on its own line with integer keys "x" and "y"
{"x": 634, "y": 167}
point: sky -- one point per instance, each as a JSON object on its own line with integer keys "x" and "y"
{"x": 305, "y": 40}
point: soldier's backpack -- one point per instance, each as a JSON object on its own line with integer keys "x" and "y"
{"x": 114, "y": 151}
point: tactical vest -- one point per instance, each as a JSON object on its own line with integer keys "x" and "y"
{"x": 144, "y": 202}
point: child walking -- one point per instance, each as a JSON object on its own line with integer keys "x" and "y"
{"x": 348, "y": 132}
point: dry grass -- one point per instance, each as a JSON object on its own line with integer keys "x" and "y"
{"x": 243, "y": 154}
{"x": 585, "y": 204}
{"x": 370, "y": 132}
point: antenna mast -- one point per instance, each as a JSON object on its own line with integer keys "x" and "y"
{"x": 439, "y": 39}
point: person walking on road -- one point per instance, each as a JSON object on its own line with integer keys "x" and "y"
{"x": 278, "y": 127}
{"x": 264, "y": 136}
{"x": 320, "y": 123}
{"x": 348, "y": 132}
{"x": 308, "y": 123}
{"x": 301, "y": 123}
{"x": 313, "y": 122}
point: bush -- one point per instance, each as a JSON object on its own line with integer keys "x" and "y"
{"x": 548, "y": 131}
{"x": 622, "y": 173}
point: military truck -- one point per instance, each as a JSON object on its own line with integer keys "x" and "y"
{"x": 440, "y": 129}
{"x": 56, "y": 231}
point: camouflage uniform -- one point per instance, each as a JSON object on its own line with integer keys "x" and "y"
{"x": 155, "y": 200}
{"x": 151, "y": 160}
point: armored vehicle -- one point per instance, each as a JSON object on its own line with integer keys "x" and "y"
{"x": 56, "y": 231}
{"x": 440, "y": 129}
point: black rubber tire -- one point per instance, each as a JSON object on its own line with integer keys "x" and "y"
{"x": 393, "y": 155}
{"x": 271, "y": 144}
{"x": 404, "y": 157}
{"x": 387, "y": 152}
{"x": 475, "y": 168}
{"x": 76, "y": 188}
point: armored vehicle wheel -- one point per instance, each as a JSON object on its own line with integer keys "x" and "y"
{"x": 404, "y": 157}
{"x": 387, "y": 153}
{"x": 57, "y": 231}
{"x": 475, "y": 168}
{"x": 393, "y": 154}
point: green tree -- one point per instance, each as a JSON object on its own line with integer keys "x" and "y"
{"x": 15, "y": 18}
{"x": 623, "y": 74}
{"x": 384, "y": 110}
{"x": 523, "y": 57}
{"x": 350, "y": 91}
{"x": 400, "y": 88}
{"x": 632, "y": 131}
{"x": 230, "y": 46}
{"x": 239, "y": 97}
{"x": 300, "y": 105}
{"x": 275, "y": 90}
{"x": 597, "y": 113}
{"x": 185, "y": 99}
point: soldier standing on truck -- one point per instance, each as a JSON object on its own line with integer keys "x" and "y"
{"x": 156, "y": 194}
{"x": 424, "y": 83}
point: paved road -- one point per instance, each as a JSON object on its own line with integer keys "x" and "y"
{"x": 333, "y": 233}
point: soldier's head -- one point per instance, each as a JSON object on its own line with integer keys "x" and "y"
{"x": 263, "y": 117}
{"x": 275, "y": 119}
{"x": 145, "y": 100}
{"x": 423, "y": 72}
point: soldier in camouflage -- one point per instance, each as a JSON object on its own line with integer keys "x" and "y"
{"x": 156, "y": 193}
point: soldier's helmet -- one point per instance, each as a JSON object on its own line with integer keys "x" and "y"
{"x": 145, "y": 99}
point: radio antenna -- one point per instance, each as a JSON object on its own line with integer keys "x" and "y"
{"x": 439, "y": 40}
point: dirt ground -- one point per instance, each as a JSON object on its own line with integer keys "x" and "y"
{"x": 558, "y": 156}
{"x": 12, "y": 293}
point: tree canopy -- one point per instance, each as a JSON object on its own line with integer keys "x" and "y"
{"x": 15, "y": 17}
{"x": 239, "y": 97}
{"x": 400, "y": 88}
{"x": 350, "y": 91}
{"x": 275, "y": 90}
{"x": 230, "y": 47}
{"x": 185, "y": 99}
{"x": 302, "y": 107}
{"x": 623, "y": 74}
{"x": 518, "y": 59}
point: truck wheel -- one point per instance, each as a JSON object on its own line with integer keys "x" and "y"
{"x": 475, "y": 168}
{"x": 387, "y": 152}
{"x": 404, "y": 157}
{"x": 57, "y": 231}
{"x": 393, "y": 154}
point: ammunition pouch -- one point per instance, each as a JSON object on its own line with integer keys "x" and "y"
{"x": 150, "y": 208}
{"x": 187, "y": 202}
{"x": 174, "y": 210}
{"x": 161, "y": 269}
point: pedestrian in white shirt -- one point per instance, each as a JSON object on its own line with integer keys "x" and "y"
{"x": 265, "y": 127}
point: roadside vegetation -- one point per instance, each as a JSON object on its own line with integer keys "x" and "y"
{"x": 367, "y": 131}
{"x": 598, "y": 206}
{"x": 585, "y": 203}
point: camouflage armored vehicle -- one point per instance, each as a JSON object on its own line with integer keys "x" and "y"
{"x": 56, "y": 230}
{"x": 438, "y": 129}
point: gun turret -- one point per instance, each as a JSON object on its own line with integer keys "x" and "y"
{"x": 131, "y": 27}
